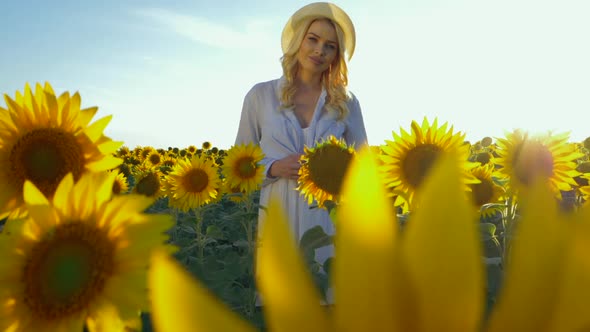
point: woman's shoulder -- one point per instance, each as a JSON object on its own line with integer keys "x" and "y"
{"x": 264, "y": 87}
{"x": 352, "y": 100}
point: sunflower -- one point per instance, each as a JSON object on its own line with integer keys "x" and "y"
{"x": 487, "y": 191}
{"x": 523, "y": 158}
{"x": 43, "y": 138}
{"x": 120, "y": 184}
{"x": 407, "y": 160}
{"x": 322, "y": 171}
{"x": 192, "y": 149}
{"x": 148, "y": 182}
{"x": 242, "y": 168}
{"x": 79, "y": 259}
{"x": 123, "y": 152}
{"x": 145, "y": 151}
{"x": 192, "y": 183}
{"x": 154, "y": 158}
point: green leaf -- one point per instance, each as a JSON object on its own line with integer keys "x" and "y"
{"x": 488, "y": 230}
{"x": 214, "y": 232}
{"x": 315, "y": 238}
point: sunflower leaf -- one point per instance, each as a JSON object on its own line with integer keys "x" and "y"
{"x": 315, "y": 238}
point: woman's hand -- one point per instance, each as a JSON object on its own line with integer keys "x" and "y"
{"x": 287, "y": 167}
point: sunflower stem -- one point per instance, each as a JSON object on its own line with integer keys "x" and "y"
{"x": 199, "y": 233}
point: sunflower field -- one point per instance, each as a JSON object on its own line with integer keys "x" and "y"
{"x": 434, "y": 233}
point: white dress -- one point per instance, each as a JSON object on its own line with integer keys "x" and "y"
{"x": 279, "y": 134}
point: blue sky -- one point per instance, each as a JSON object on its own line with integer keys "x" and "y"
{"x": 174, "y": 73}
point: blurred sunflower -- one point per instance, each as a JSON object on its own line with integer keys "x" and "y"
{"x": 192, "y": 183}
{"x": 154, "y": 159}
{"x": 120, "y": 184}
{"x": 486, "y": 141}
{"x": 123, "y": 152}
{"x": 242, "y": 168}
{"x": 43, "y": 138}
{"x": 79, "y": 259}
{"x": 322, "y": 170}
{"x": 413, "y": 274}
{"x": 148, "y": 182}
{"x": 145, "y": 151}
{"x": 523, "y": 158}
{"x": 407, "y": 160}
{"x": 192, "y": 149}
{"x": 486, "y": 191}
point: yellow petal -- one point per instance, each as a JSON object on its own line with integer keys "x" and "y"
{"x": 181, "y": 304}
{"x": 109, "y": 147}
{"x": 365, "y": 246}
{"x": 571, "y": 312}
{"x": 32, "y": 195}
{"x": 287, "y": 290}
{"x": 106, "y": 319}
{"x": 534, "y": 267}
{"x": 86, "y": 115}
{"x": 61, "y": 198}
{"x": 95, "y": 130}
{"x": 442, "y": 254}
{"x": 106, "y": 163}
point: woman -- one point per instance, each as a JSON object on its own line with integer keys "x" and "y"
{"x": 307, "y": 104}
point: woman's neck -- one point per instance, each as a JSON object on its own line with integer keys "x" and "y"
{"x": 308, "y": 82}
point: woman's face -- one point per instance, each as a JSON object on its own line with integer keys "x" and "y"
{"x": 319, "y": 47}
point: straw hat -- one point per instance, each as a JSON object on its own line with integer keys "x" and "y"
{"x": 317, "y": 10}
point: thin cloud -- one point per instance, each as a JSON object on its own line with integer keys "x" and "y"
{"x": 202, "y": 30}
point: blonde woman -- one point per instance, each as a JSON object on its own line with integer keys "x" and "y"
{"x": 307, "y": 104}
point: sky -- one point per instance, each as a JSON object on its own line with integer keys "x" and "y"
{"x": 175, "y": 73}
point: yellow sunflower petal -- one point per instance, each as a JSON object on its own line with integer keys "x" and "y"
{"x": 279, "y": 261}
{"x": 534, "y": 267}
{"x": 109, "y": 146}
{"x": 365, "y": 248}
{"x": 571, "y": 313}
{"x": 86, "y": 115}
{"x": 442, "y": 254}
{"x": 107, "y": 163}
{"x": 33, "y": 196}
{"x": 95, "y": 130}
{"x": 180, "y": 304}
{"x": 106, "y": 319}
{"x": 61, "y": 198}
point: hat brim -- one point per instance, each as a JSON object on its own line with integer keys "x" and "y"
{"x": 319, "y": 10}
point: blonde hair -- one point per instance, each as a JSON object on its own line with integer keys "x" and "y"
{"x": 334, "y": 80}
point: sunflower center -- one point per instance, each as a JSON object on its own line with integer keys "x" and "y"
{"x": 531, "y": 161}
{"x": 149, "y": 185}
{"x": 44, "y": 156}
{"x": 155, "y": 159}
{"x": 67, "y": 270}
{"x": 483, "y": 157}
{"x": 483, "y": 192}
{"x": 327, "y": 167}
{"x": 117, "y": 187}
{"x": 418, "y": 162}
{"x": 195, "y": 180}
{"x": 245, "y": 168}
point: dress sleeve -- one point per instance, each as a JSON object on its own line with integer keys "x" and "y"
{"x": 249, "y": 128}
{"x": 355, "y": 130}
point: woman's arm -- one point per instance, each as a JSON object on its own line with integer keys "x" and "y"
{"x": 355, "y": 126}
{"x": 249, "y": 127}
